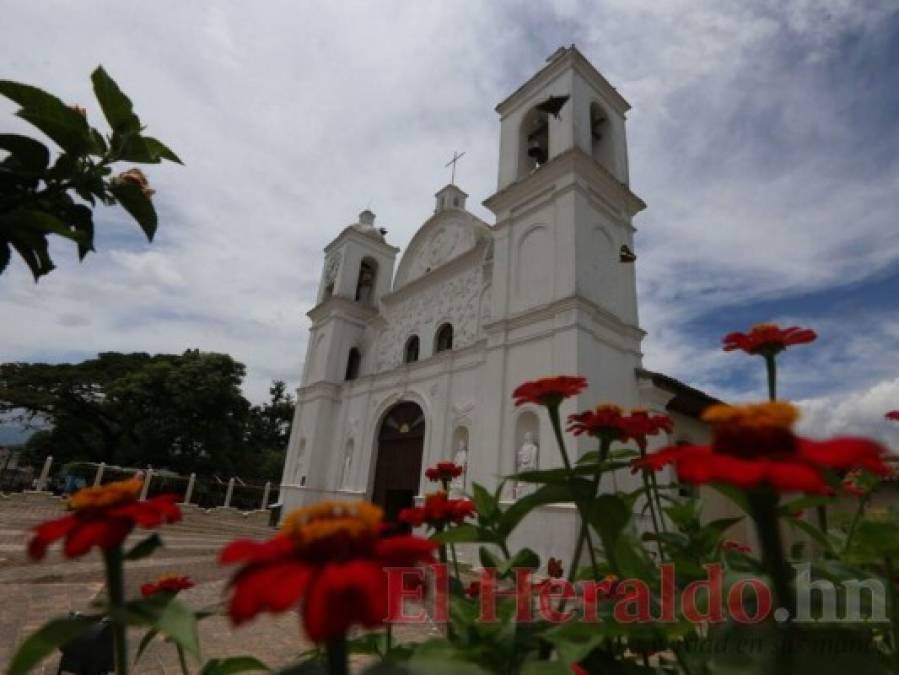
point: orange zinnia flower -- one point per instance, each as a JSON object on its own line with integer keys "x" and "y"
{"x": 103, "y": 516}
{"x": 332, "y": 556}
{"x": 549, "y": 391}
{"x": 755, "y": 445}
{"x": 168, "y": 583}
{"x": 443, "y": 471}
{"x": 768, "y": 339}
{"x": 438, "y": 511}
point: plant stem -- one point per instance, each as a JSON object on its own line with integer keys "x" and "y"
{"x": 389, "y": 636}
{"x": 652, "y": 513}
{"x": 655, "y": 489}
{"x": 455, "y": 563}
{"x": 763, "y": 505}
{"x": 771, "y": 366}
{"x": 336, "y": 655}
{"x": 557, "y": 429}
{"x": 182, "y": 661}
{"x": 115, "y": 589}
{"x": 859, "y": 512}
{"x": 894, "y": 611}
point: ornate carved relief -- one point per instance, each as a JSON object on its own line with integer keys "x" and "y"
{"x": 455, "y": 300}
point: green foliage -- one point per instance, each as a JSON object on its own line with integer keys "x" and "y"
{"x": 46, "y": 640}
{"x": 181, "y": 412}
{"x": 39, "y": 199}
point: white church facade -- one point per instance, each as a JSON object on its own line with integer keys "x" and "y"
{"x": 412, "y": 363}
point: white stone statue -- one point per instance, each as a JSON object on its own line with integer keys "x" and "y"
{"x": 347, "y": 465}
{"x": 526, "y": 460}
{"x": 457, "y": 486}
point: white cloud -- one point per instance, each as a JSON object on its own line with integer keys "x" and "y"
{"x": 293, "y": 117}
{"x": 858, "y": 413}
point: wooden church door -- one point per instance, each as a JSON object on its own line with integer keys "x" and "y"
{"x": 398, "y": 470}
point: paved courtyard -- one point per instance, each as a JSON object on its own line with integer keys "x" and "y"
{"x": 31, "y": 593}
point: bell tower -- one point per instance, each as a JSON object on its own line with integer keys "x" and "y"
{"x": 564, "y": 236}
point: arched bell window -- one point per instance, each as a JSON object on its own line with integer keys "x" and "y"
{"x": 365, "y": 286}
{"x": 353, "y": 362}
{"x": 410, "y": 352}
{"x": 443, "y": 341}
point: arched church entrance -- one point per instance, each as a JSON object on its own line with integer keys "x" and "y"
{"x": 398, "y": 470}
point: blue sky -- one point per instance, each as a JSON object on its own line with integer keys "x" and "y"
{"x": 764, "y": 138}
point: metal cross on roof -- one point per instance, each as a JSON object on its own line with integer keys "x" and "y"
{"x": 456, "y": 157}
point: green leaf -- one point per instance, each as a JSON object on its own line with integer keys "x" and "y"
{"x": 45, "y": 640}
{"x": 31, "y": 154}
{"x": 609, "y": 515}
{"x": 736, "y": 495}
{"x": 310, "y": 667}
{"x": 178, "y": 622}
{"x": 116, "y": 106}
{"x": 144, "y": 643}
{"x": 484, "y": 502}
{"x": 144, "y": 548}
{"x": 33, "y": 249}
{"x": 139, "y": 206}
{"x": 545, "y": 494}
{"x": 232, "y": 664}
{"x": 487, "y": 558}
{"x": 524, "y": 558}
{"x": 38, "y": 221}
{"x": 159, "y": 149}
{"x": 46, "y": 112}
{"x": 423, "y": 666}
{"x": 462, "y": 534}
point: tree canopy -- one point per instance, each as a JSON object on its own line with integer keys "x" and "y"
{"x": 181, "y": 412}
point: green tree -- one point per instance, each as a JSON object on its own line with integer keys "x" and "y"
{"x": 267, "y": 433}
{"x": 39, "y": 198}
{"x": 183, "y": 412}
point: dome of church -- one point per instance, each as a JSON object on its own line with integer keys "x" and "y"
{"x": 448, "y": 234}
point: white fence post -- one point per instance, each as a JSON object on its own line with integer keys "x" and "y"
{"x": 265, "y": 493}
{"x": 190, "y": 488}
{"x": 229, "y": 491}
{"x": 146, "y": 488}
{"x": 98, "y": 477}
{"x": 45, "y": 473}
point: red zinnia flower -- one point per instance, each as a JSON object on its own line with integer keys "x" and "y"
{"x": 443, "y": 471}
{"x": 640, "y": 424}
{"x": 731, "y": 545}
{"x": 578, "y": 669}
{"x": 103, "y": 516}
{"x": 473, "y": 589}
{"x": 893, "y": 415}
{"x": 549, "y": 391}
{"x": 604, "y": 421}
{"x": 755, "y": 445}
{"x": 438, "y": 511}
{"x": 332, "y": 556}
{"x": 768, "y": 339}
{"x": 169, "y": 583}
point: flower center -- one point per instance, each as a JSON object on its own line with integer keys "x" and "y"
{"x": 764, "y": 327}
{"x": 102, "y": 496}
{"x": 753, "y": 430}
{"x": 331, "y": 527}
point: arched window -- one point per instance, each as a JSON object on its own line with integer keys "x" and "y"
{"x": 533, "y": 142}
{"x": 410, "y": 352}
{"x": 443, "y": 341}
{"x": 354, "y": 360}
{"x": 600, "y": 136}
{"x": 365, "y": 287}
